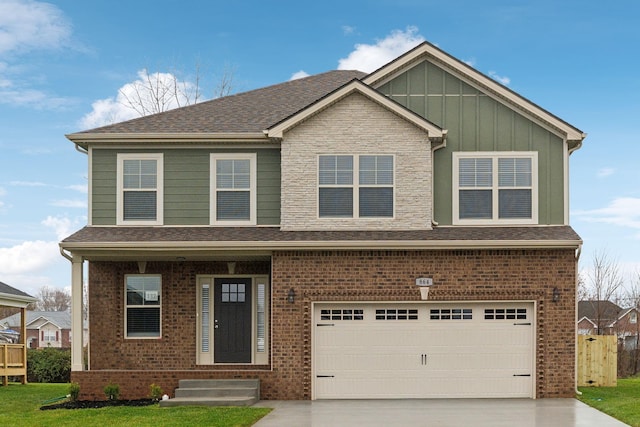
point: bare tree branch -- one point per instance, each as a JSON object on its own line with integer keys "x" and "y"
{"x": 51, "y": 299}
{"x": 156, "y": 92}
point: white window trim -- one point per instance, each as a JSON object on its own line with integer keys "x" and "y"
{"x": 126, "y": 306}
{"x": 252, "y": 157}
{"x": 533, "y": 155}
{"x": 49, "y": 335}
{"x": 355, "y": 186}
{"x": 158, "y": 157}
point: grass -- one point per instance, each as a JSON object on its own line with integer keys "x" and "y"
{"x": 620, "y": 402}
{"x": 20, "y": 406}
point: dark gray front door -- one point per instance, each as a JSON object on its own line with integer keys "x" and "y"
{"x": 232, "y": 321}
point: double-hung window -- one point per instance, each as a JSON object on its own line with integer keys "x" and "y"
{"x": 355, "y": 186}
{"x": 495, "y": 188}
{"x": 140, "y": 193}
{"x": 233, "y": 189}
{"x": 143, "y": 305}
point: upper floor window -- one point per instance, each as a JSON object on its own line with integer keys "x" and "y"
{"x": 143, "y": 304}
{"x": 495, "y": 188}
{"x": 355, "y": 186}
{"x": 140, "y": 195}
{"x": 233, "y": 193}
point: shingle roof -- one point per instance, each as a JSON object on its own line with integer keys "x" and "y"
{"x": 247, "y": 112}
{"x": 133, "y": 235}
{"x": 61, "y": 319}
{"x": 598, "y": 310}
{"x": 6, "y": 289}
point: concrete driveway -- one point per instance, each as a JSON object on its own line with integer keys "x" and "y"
{"x": 435, "y": 413}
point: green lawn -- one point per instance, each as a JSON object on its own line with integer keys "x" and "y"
{"x": 621, "y": 402}
{"x": 20, "y": 406}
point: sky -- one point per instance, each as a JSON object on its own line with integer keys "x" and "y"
{"x": 64, "y": 65}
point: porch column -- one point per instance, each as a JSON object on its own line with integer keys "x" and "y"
{"x": 23, "y": 338}
{"x": 77, "y": 332}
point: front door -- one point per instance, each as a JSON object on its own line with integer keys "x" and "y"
{"x": 232, "y": 320}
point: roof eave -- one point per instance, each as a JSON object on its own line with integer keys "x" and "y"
{"x": 84, "y": 139}
{"x": 11, "y": 300}
{"x": 322, "y": 245}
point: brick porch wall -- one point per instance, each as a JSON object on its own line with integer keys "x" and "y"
{"x": 458, "y": 275}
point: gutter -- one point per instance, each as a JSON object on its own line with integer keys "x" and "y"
{"x": 442, "y": 144}
{"x": 89, "y": 137}
{"x": 321, "y": 245}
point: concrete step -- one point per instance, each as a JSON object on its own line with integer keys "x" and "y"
{"x": 232, "y": 392}
{"x": 217, "y": 392}
{"x": 218, "y": 383}
{"x": 208, "y": 401}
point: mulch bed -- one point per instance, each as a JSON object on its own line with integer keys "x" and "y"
{"x": 84, "y": 404}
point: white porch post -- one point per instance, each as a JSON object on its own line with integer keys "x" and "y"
{"x": 77, "y": 344}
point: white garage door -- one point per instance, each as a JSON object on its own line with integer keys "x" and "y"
{"x": 425, "y": 350}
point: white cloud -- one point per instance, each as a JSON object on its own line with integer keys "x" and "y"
{"x": 66, "y": 203}
{"x": 28, "y": 257}
{"x": 500, "y": 79}
{"x": 348, "y": 29}
{"x": 26, "y": 26}
{"x": 62, "y": 226}
{"x": 29, "y": 25}
{"x": 369, "y": 58}
{"x": 299, "y": 75}
{"x": 81, "y": 188}
{"x": 136, "y": 95}
{"x": 623, "y": 211}
{"x": 28, "y": 184}
{"x": 605, "y": 172}
{"x": 3, "y": 192}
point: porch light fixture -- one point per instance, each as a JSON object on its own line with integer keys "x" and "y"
{"x": 291, "y": 296}
{"x": 556, "y": 295}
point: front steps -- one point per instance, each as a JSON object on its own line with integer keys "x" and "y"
{"x": 215, "y": 393}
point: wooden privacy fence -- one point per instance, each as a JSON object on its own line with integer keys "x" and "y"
{"x": 597, "y": 360}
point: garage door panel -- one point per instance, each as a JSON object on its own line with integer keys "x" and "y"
{"x": 424, "y": 350}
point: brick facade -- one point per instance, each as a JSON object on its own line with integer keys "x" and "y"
{"x": 458, "y": 275}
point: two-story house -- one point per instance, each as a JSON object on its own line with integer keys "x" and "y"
{"x": 399, "y": 234}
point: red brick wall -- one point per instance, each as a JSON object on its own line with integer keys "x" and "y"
{"x": 458, "y": 275}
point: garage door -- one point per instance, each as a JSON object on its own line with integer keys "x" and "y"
{"x": 423, "y": 350}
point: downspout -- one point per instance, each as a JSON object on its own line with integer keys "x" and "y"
{"x": 80, "y": 149}
{"x": 64, "y": 254}
{"x": 578, "y": 253}
{"x": 442, "y": 144}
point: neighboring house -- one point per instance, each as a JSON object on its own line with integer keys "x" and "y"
{"x": 607, "y": 318}
{"x": 44, "y": 328}
{"x": 291, "y": 234}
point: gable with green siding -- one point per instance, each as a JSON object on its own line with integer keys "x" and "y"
{"x": 477, "y": 122}
{"x": 186, "y": 185}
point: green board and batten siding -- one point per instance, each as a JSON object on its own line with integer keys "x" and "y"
{"x": 186, "y": 185}
{"x": 477, "y": 122}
